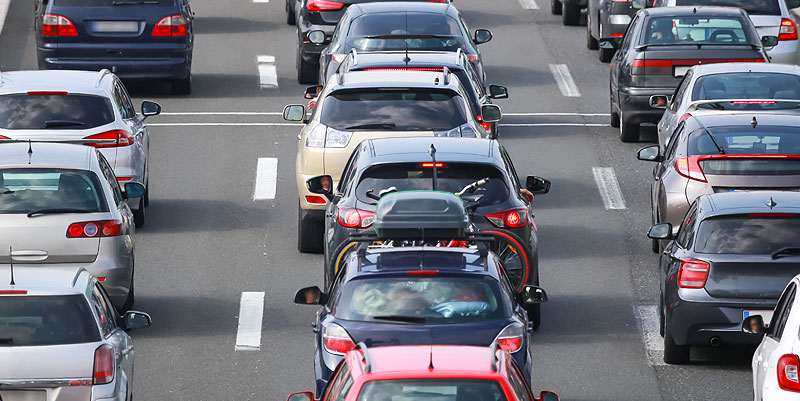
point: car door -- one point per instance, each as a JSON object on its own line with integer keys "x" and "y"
{"x": 659, "y": 170}
{"x": 135, "y": 123}
{"x": 114, "y": 335}
{"x": 617, "y": 63}
{"x": 775, "y": 344}
{"x": 670, "y": 120}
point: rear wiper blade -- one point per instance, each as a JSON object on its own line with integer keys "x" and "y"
{"x": 785, "y": 251}
{"x": 134, "y": 3}
{"x": 55, "y": 211}
{"x": 63, "y": 123}
{"x": 401, "y": 318}
{"x": 373, "y": 126}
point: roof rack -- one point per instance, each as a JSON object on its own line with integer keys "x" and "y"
{"x": 354, "y": 53}
{"x": 493, "y": 357}
{"x": 446, "y": 74}
{"x": 459, "y": 53}
{"x": 103, "y": 74}
{"x": 367, "y": 360}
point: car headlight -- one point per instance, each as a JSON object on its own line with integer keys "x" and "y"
{"x": 337, "y": 139}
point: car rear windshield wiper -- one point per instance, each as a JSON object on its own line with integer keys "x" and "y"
{"x": 785, "y": 251}
{"x": 716, "y": 144}
{"x": 63, "y": 123}
{"x": 134, "y": 3}
{"x": 56, "y": 211}
{"x": 401, "y": 318}
{"x": 373, "y": 126}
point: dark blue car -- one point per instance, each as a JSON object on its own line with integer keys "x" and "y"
{"x": 417, "y": 296}
{"x": 132, "y": 38}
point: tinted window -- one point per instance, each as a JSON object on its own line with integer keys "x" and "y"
{"x": 403, "y": 110}
{"x": 451, "y": 177}
{"x": 769, "y": 7}
{"x": 747, "y": 235}
{"x": 396, "y": 31}
{"x": 438, "y": 300}
{"x": 743, "y": 141}
{"x": 688, "y": 30}
{"x": 46, "y": 320}
{"x": 432, "y": 389}
{"x": 747, "y": 85}
{"x": 22, "y": 111}
{"x": 24, "y": 190}
{"x": 108, "y": 3}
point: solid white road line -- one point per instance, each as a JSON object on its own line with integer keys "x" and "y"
{"x": 553, "y": 125}
{"x": 553, "y": 114}
{"x": 267, "y": 74}
{"x": 609, "y": 188}
{"x": 647, "y": 317}
{"x": 266, "y": 178}
{"x": 225, "y": 125}
{"x": 529, "y": 4}
{"x": 251, "y": 313}
{"x": 278, "y": 113}
{"x": 564, "y": 80}
{"x": 260, "y": 1}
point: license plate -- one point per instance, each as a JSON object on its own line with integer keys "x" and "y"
{"x": 680, "y": 71}
{"x": 765, "y": 314}
{"x": 23, "y": 395}
{"x": 115, "y": 26}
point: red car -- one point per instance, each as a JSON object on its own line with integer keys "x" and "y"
{"x": 435, "y": 372}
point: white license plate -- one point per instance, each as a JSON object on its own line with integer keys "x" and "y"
{"x": 680, "y": 71}
{"x": 765, "y": 314}
{"x": 116, "y": 26}
{"x": 23, "y": 395}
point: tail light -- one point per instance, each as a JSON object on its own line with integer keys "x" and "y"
{"x": 689, "y": 167}
{"x": 511, "y": 338}
{"x": 316, "y": 200}
{"x": 432, "y": 165}
{"x": 57, "y": 25}
{"x": 684, "y": 117}
{"x": 351, "y": 217}
{"x": 693, "y": 273}
{"x": 788, "y": 367}
{"x": 94, "y": 229}
{"x": 513, "y": 218}
{"x": 336, "y": 340}
{"x": 119, "y": 138}
{"x": 103, "y": 365}
{"x": 486, "y": 126}
{"x": 172, "y": 26}
{"x": 788, "y": 30}
{"x": 4, "y": 138}
{"x": 324, "y": 5}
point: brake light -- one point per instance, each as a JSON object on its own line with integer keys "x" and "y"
{"x": 617, "y": 35}
{"x": 351, "y": 217}
{"x": 423, "y": 273}
{"x": 94, "y": 229}
{"x": 486, "y": 126}
{"x": 683, "y": 117}
{"x": 689, "y": 167}
{"x": 513, "y": 218}
{"x": 46, "y": 93}
{"x": 773, "y": 215}
{"x": 57, "y": 25}
{"x": 693, "y": 273}
{"x": 753, "y": 102}
{"x": 13, "y": 292}
{"x": 324, "y": 5}
{"x": 103, "y": 365}
{"x": 111, "y": 139}
{"x": 788, "y": 30}
{"x": 316, "y": 200}
{"x": 171, "y": 26}
{"x": 336, "y": 340}
{"x": 405, "y": 69}
{"x": 432, "y": 165}
{"x": 511, "y": 337}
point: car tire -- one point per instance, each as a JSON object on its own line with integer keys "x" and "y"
{"x": 555, "y": 7}
{"x": 661, "y": 314}
{"x": 605, "y": 55}
{"x": 628, "y": 132}
{"x": 309, "y": 234}
{"x": 307, "y": 73}
{"x": 146, "y": 196}
{"x": 674, "y": 354}
{"x": 182, "y": 86}
{"x": 614, "y": 115}
{"x": 130, "y": 299}
{"x": 571, "y": 14}
{"x": 290, "y": 17}
{"x": 139, "y": 214}
{"x": 591, "y": 42}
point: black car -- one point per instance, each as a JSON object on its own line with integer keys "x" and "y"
{"x": 606, "y": 19}
{"x": 413, "y": 26}
{"x": 733, "y": 255}
{"x": 457, "y": 62}
{"x": 660, "y": 46}
{"x": 134, "y": 39}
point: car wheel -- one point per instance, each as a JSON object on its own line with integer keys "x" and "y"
{"x": 290, "y": 17}
{"x": 571, "y": 14}
{"x": 307, "y": 73}
{"x": 555, "y": 7}
{"x": 591, "y": 42}
{"x": 628, "y": 132}
{"x": 131, "y": 298}
{"x": 147, "y": 196}
{"x": 309, "y": 234}
{"x": 661, "y": 315}
{"x": 605, "y": 55}
{"x": 182, "y": 86}
{"x": 138, "y": 214}
{"x": 674, "y": 354}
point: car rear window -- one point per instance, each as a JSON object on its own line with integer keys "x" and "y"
{"x": 26, "y": 190}
{"x": 765, "y": 146}
{"x": 451, "y": 177}
{"x": 109, "y": 3}
{"x": 23, "y": 111}
{"x": 436, "y": 300}
{"x": 755, "y": 7}
{"x": 759, "y": 234}
{"x": 46, "y": 320}
{"x": 394, "y": 109}
{"x": 695, "y": 29}
{"x": 398, "y": 31}
{"x": 747, "y": 85}
{"x": 432, "y": 390}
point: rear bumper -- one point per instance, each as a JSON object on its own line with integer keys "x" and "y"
{"x": 176, "y": 65}
{"x": 615, "y": 25}
{"x": 634, "y": 104}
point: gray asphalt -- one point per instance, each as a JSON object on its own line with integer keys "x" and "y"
{"x": 206, "y": 240}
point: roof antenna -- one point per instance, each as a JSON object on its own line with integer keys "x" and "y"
{"x": 432, "y": 152}
{"x": 406, "y": 59}
{"x": 754, "y": 122}
{"x": 694, "y": 10}
{"x": 30, "y": 151}
{"x": 11, "y": 263}
{"x": 771, "y": 203}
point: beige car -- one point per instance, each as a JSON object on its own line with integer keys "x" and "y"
{"x": 355, "y": 106}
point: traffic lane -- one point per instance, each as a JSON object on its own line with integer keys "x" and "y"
{"x": 17, "y": 41}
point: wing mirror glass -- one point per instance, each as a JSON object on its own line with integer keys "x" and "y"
{"x": 309, "y": 296}
{"x": 312, "y": 92}
{"x": 301, "y": 396}
{"x": 548, "y": 396}
{"x": 316, "y": 37}
{"x": 491, "y": 113}
{"x": 754, "y": 324}
{"x": 150, "y": 108}
{"x": 294, "y": 112}
{"x": 660, "y": 231}
{"x": 482, "y": 36}
{"x": 659, "y": 101}
{"x": 537, "y": 185}
{"x": 321, "y": 184}
{"x": 769, "y": 41}
{"x": 498, "y": 92}
{"x": 532, "y": 295}
{"x": 136, "y": 320}
{"x": 134, "y": 190}
{"x": 650, "y": 153}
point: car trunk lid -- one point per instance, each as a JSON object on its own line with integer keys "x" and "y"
{"x": 750, "y": 276}
{"x": 665, "y": 66}
{"x": 70, "y": 361}
{"x": 43, "y": 239}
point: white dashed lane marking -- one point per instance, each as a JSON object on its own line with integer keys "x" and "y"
{"x": 267, "y": 74}
{"x": 529, "y": 4}
{"x": 251, "y": 313}
{"x": 564, "y": 80}
{"x": 647, "y": 317}
{"x": 609, "y": 188}
{"x": 266, "y": 178}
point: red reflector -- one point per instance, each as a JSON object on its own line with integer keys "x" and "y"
{"x": 771, "y": 215}
{"x": 111, "y": 139}
{"x": 614, "y": 35}
{"x": 432, "y": 165}
{"x": 324, "y": 5}
{"x": 4, "y": 137}
{"x": 316, "y": 200}
{"x": 123, "y": 178}
{"x": 44, "y": 93}
{"x": 101, "y": 279}
{"x": 693, "y": 273}
{"x": 103, "y": 365}
{"x": 423, "y": 273}
{"x": 13, "y": 292}
{"x": 788, "y": 367}
{"x": 79, "y": 382}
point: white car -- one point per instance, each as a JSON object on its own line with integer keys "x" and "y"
{"x": 776, "y": 365}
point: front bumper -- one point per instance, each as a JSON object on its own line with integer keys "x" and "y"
{"x": 634, "y": 104}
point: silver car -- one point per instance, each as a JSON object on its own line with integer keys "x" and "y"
{"x": 61, "y": 339}
{"x": 61, "y": 205}
{"x": 90, "y": 108}
{"x": 747, "y": 87}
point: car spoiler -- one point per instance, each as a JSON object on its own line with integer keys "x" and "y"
{"x": 694, "y": 105}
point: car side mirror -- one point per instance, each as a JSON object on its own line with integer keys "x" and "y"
{"x": 321, "y": 184}
{"x": 769, "y": 41}
{"x": 491, "y": 113}
{"x": 301, "y": 396}
{"x": 608, "y": 44}
{"x": 150, "y": 108}
{"x": 136, "y": 320}
{"x": 310, "y": 296}
{"x": 790, "y": 4}
{"x": 754, "y": 324}
{"x": 498, "y": 92}
{"x": 133, "y": 190}
{"x": 637, "y": 4}
{"x": 316, "y": 37}
{"x": 312, "y": 92}
{"x": 533, "y": 295}
{"x": 659, "y": 101}
{"x": 660, "y": 231}
{"x": 548, "y": 396}
{"x": 537, "y": 185}
{"x": 650, "y": 153}
{"x": 482, "y": 36}
{"x": 294, "y": 112}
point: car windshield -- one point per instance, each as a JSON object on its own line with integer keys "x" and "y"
{"x": 747, "y": 85}
{"x": 405, "y": 109}
{"x": 695, "y": 29}
{"x": 450, "y": 177}
{"x": 46, "y": 320}
{"x": 759, "y": 234}
{"x": 754, "y": 7}
{"x": 437, "y": 300}
{"x": 432, "y": 390}
{"x": 738, "y": 142}
{"x": 27, "y": 190}
{"x": 23, "y": 111}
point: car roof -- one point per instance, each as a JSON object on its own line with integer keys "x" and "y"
{"x": 46, "y": 280}
{"x": 417, "y": 58}
{"x": 717, "y": 68}
{"x": 53, "y": 80}
{"x": 417, "y": 149}
{"x": 395, "y": 79}
{"x": 743, "y": 119}
{"x": 739, "y": 202}
{"x": 47, "y": 154}
{"x": 415, "y": 361}
{"x": 403, "y": 6}
{"x": 680, "y": 11}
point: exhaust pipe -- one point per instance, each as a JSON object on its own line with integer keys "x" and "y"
{"x": 715, "y": 341}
